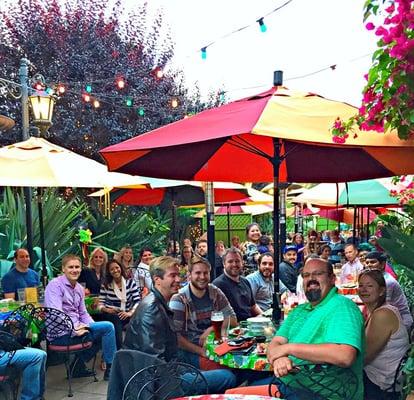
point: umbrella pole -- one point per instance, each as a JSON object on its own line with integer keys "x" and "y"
{"x": 209, "y": 199}
{"x": 276, "y": 161}
{"x": 42, "y": 237}
{"x": 354, "y": 226}
{"x": 174, "y": 223}
{"x": 337, "y": 207}
{"x": 283, "y": 216}
{"x": 228, "y": 225}
{"x": 367, "y": 232}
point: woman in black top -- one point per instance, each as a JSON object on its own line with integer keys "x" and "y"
{"x": 94, "y": 274}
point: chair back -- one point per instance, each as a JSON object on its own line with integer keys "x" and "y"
{"x": 52, "y": 323}
{"x": 18, "y": 323}
{"x": 165, "y": 381}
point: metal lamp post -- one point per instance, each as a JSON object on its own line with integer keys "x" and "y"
{"x": 42, "y": 107}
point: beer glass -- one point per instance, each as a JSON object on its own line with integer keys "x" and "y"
{"x": 217, "y": 319}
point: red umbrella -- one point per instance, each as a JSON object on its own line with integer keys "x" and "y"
{"x": 277, "y": 134}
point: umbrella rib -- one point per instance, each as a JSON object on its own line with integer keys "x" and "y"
{"x": 245, "y": 145}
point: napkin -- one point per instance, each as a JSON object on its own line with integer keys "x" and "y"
{"x": 224, "y": 348}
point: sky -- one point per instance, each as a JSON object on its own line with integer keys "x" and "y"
{"x": 303, "y": 37}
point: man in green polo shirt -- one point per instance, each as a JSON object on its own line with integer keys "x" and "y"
{"x": 327, "y": 331}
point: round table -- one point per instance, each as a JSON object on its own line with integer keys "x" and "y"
{"x": 225, "y": 397}
{"x": 251, "y": 361}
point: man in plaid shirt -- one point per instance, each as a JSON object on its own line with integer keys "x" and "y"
{"x": 192, "y": 308}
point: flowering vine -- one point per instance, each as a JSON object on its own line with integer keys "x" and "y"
{"x": 388, "y": 97}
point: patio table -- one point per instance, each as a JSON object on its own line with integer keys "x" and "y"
{"x": 252, "y": 360}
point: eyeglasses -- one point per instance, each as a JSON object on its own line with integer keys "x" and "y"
{"x": 316, "y": 274}
{"x": 371, "y": 262}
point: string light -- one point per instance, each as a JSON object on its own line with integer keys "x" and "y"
{"x": 263, "y": 27}
{"x": 86, "y": 97}
{"x": 50, "y": 91}
{"x": 61, "y": 89}
{"x": 159, "y": 73}
{"x": 129, "y": 102}
{"x": 174, "y": 102}
{"x": 141, "y": 111}
{"x": 38, "y": 86}
{"x": 88, "y": 88}
{"x": 204, "y": 53}
{"x": 120, "y": 83}
{"x": 96, "y": 103}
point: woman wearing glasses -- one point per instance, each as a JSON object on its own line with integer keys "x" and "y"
{"x": 386, "y": 337}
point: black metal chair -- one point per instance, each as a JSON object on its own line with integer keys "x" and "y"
{"x": 165, "y": 381}
{"x": 400, "y": 377}
{"x": 18, "y": 323}
{"x": 320, "y": 381}
{"x": 54, "y": 324}
{"x": 10, "y": 377}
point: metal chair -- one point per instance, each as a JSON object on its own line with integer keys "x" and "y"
{"x": 141, "y": 276}
{"x": 10, "y": 378}
{"x": 165, "y": 381}
{"x": 319, "y": 381}
{"x": 18, "y": 323}
{"x": 55, "y": 324}
{"x": 400, "y": 376}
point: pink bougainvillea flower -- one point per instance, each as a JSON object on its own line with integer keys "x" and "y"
{"x": 370, "y": 26}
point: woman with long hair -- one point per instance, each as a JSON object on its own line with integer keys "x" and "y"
{"x": 125, "y": 257}
{"x": 386, "y": 337}
{"x": 94, "y": 273}
{"x": 187, "y": 254}
{"x": 118, "y": 299}
{"x": 253, "y": 234}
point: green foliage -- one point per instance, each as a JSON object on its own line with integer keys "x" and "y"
{"x": 136, "y": 226}
{"x": 400, "y": 248}
{"x": 60, "y": 220}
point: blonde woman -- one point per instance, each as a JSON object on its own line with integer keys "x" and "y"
{"x": 125, "y": 257}
{"x": 94, "y": 274}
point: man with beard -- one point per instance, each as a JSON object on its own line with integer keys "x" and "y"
{"x": 237, "y": 288}
{"x": 192, "y": 307}
{"x": 262, "y": 283}
{"x": 327, "y": 330}
{"x": 152, "y": 329}
{"x": 288, "y": 272}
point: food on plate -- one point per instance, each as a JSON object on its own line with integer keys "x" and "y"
{"x": 261, "y": 348}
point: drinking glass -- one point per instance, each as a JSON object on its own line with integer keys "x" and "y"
{"x": 21, "y": 295}
{"x": 217, "y": 319}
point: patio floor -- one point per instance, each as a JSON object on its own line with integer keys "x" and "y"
{"x": 83, "y": 388}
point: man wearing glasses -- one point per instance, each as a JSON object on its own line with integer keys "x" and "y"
{"x": 395, "y": 295}
{"x": 327, "y": 330}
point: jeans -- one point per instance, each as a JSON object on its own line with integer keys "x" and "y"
{"x": 118, "y": 325}
{"x": 218, "y": 380}
{"x": 32, "y": 363}
{"x": 374, "y": 392}
{"x": 103, "y": 330}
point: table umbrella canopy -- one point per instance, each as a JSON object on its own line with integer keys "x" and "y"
{"x": 39, "y": 163}
{"x": 234, "y": 142}
{"x": 341, "y": 215}
{"x": 183, "y": 193}
{"x": 373, "y": 192}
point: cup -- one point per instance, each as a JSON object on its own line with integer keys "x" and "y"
{"x": 217, "y": 319}
{"x": 21, "y": 295}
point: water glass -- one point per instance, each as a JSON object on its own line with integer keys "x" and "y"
{"x": 21, "y": 295}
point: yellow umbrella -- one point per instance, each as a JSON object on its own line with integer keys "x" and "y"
{"x": 39, "y": 163}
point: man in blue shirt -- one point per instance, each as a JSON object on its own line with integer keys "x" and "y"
{"x": 20, "y": 276}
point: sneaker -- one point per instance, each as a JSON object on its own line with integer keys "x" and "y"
{"x": 107, "y": 372}
{"x": 79, "y": 370}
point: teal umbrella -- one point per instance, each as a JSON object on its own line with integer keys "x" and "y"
{"x": 372, "y": 192}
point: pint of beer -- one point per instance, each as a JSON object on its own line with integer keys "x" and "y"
{"x": 217, "y": 319}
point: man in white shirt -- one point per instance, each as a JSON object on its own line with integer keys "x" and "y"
{"x": 352, "y": 268}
